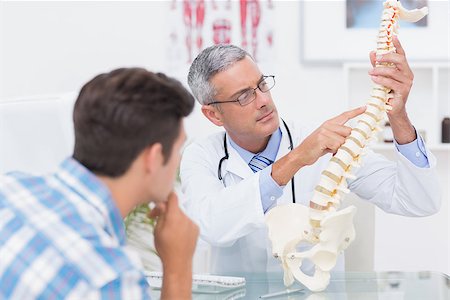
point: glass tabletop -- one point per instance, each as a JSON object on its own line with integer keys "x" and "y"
{"x": 348, "y": 285}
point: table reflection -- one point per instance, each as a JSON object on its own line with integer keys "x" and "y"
{"x": 348, "y": 285}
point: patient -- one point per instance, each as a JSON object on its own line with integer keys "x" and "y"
{"x": 62, "y": 235}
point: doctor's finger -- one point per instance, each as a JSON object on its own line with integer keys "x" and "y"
{"x": 392, "y": 84}
{"x": 398, "y": 60}
{"x": 341, "y": 130}
{"x": 398, "y": 45}
{"x": 346, "y": 116}
{"x": 372, "y": 57}
{"x": 391, "y": 58}
{"x": 392, "y": 73}
{"x": 334, "y": 141}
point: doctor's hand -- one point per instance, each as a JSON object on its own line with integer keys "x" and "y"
{"x": 175, "y": 241}
{"x": 328, "y": 137}
{"x": 325, "y": 139}
{"x": 399, "y": 78}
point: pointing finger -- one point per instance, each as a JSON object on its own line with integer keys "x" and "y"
{"x": 350, "y": 114}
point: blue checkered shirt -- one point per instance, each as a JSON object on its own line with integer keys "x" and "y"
{"x": 61, "y": 236}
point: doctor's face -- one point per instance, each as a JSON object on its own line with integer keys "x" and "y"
{"x": 254, "y": 121}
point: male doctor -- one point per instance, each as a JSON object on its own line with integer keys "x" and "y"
{"x": 231, "y": 179}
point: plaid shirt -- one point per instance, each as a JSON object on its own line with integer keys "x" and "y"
{"x": 61, "y": 236}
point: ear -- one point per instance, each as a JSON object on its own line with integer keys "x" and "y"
{"x": 153, "y": 158}
{"x": 213, "y": 114}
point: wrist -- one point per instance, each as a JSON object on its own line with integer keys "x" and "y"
{"x": 177, "y": 276}
{"x": 402, "y": 128}
{"x": 177, "y": 283}
{"x": 285, "y": 168}
{"x": 178, "y": 268}
{"x": 298, "y": 157}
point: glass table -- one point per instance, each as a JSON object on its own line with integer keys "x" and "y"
{"x": 350, "y": 285}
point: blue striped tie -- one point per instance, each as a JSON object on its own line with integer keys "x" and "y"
{"x": 258, "y": 163}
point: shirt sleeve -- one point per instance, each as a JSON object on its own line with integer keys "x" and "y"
{"x": 269, "y": 189}
{"x": 415, "y": 152}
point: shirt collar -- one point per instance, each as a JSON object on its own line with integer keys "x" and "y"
{"x": 269, "y": 152}
{"x": 93, "y": 191}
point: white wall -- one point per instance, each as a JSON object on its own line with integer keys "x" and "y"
{"x": 52, "y": 47}
{"x": 55, "y": 47}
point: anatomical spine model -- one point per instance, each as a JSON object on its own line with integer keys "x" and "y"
{"x": 328, "y": 230}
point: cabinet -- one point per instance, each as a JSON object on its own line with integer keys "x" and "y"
{"x": 428, "y": 102}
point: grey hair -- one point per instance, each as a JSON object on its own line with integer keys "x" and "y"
{"x": 209, "y": 62}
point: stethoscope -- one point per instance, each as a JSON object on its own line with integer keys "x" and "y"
{"x": 225, "y": 148}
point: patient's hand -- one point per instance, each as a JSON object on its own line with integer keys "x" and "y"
{"x": 175, "y": 241}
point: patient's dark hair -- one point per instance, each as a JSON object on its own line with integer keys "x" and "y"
{"x": 120, "y": 113}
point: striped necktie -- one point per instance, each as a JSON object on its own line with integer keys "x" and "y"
{"x": 258, "y": 163}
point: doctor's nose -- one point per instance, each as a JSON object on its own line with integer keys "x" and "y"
{"x": 262, "y": 98}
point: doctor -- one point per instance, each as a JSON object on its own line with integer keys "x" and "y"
{"x": 231, "y": 179}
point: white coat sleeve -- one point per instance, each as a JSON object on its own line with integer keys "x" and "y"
{"x": 224, "y": 214}
{"x": 398, "y": 187}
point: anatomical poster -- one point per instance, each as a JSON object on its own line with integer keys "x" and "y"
{"x": 197, "y": 24}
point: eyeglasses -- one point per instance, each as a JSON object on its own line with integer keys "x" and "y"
{"x": 264, "y": 85}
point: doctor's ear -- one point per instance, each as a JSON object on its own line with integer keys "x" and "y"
{"x": 213, "y": 114}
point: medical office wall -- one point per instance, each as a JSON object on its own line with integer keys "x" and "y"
{"x": 55, "y": 47}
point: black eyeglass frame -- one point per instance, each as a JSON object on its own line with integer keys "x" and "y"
{"x": 263, "y": 78}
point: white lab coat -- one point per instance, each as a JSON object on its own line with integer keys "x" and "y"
{"x": 230, "y": 214}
